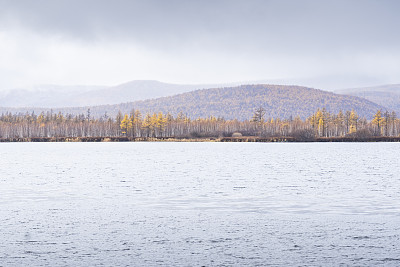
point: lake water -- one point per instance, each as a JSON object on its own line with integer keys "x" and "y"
{"x": 199, "y": 204}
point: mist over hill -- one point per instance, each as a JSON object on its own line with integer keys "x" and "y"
{"x": 45, "y": 96}
{"x": 384, "y": 95}
{"x": 234, "y": 102}
{"x": 55, "y": 96}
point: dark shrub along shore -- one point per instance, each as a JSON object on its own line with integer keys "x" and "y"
{"x": 106, "y": 139}
{"x": 187, "y": 139}
{"x": 319, "y": 139}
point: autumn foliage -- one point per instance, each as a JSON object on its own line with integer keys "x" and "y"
{"x": 138, "y": 125}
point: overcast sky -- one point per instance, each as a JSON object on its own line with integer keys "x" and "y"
{"x": 325, "y": 44}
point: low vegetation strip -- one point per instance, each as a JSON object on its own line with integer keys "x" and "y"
{"x": 106, "y": 139}
{"x": 320, "y": 126}
{"x": 183, "y": 139}
{"x": 319, "y": 139}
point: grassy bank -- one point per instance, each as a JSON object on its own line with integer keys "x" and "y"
{"x": 184, "y": 139}
{"x": 318, "y": 139}
{"x": 107, "y": 139}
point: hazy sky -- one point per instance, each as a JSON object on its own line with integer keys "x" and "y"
{"x": 325, "y": 44}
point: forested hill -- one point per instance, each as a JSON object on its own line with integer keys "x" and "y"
{"x": 240, "y": 102}
{"x": 237, "y": 102}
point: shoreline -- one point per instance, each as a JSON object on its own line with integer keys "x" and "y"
{"x": 210, "y": 139}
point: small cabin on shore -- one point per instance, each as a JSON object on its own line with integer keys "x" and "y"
{"x": 237, "y": 134}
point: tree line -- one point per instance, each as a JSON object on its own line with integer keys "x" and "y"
{"x": 135, "y": 124}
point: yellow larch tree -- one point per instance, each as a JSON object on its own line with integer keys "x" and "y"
{"x": 353, "y": 120}
{"x": 378, "y": 120}
{"x": 125, "y": 125}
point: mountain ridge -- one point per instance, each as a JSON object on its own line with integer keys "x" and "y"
{"x": 55, "y": 96}
{"x": 386, "y": 95}
{"x": 238, "y": 102}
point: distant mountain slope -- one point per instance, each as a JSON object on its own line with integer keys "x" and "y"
{"x": 53, "y": 96}
{"x": 45, "y": 96}
{"x": 135, "y": 90}
{"x": 240, "y": 102}
{"x": 385, "y": 95}
{"x": 237, "y": 102}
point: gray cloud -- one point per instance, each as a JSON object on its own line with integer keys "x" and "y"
{"x": 314, "y": 35}
{"x": 303, "y": 23}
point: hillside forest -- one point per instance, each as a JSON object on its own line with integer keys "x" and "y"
{"x": 230, "y": 103}
{"x": 159, "y": 125}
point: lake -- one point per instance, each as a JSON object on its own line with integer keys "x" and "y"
{"x": 199, "y": 204}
